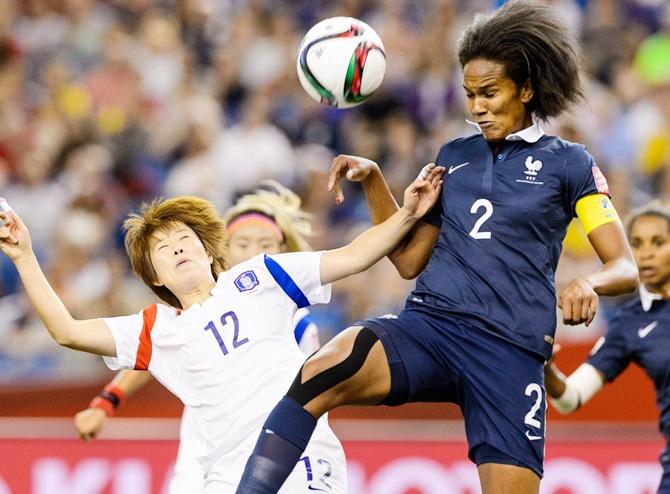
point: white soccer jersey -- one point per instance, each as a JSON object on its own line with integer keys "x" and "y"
{"x": 231, "y": 358}
{"x": 187, "y": 474}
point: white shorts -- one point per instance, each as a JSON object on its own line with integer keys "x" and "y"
{"x": 188, "y": 476}
{"x": 322, "y": 467}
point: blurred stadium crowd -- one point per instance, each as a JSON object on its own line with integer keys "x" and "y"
{"x": 107, "y": 103}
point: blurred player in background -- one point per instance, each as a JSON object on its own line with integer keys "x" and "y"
{"x": 480, "y": 324}
{"x": 269, "y": 221}
{"x": 640, "y": 331}
{"x": 222, "y": 344}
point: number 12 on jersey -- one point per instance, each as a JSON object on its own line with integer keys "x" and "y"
{"x": 236, "y": 341}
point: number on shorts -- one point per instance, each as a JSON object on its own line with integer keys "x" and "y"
{"x": 328, "y": 472}
{"x": 530, "y": 416}
{"x": 324, "y": 477}
{"x": 488, "y": 211}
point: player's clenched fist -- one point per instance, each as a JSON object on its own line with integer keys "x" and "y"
{"x": 89, "y": 422}
{"x": 579, "y": 302}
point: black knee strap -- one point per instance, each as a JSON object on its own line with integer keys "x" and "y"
{"x": 305, "y": 392}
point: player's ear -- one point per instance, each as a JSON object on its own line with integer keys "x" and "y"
{"x": 526, "y": 92}
{"x": 210, "y": 259}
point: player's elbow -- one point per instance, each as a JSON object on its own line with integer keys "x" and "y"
{"x": 63, "y": 335}
{"x": 630, "y": 277}
{"x": 408, "y": 274}
{"x": 63, "y": 338}
{"x": 406, "y": 269}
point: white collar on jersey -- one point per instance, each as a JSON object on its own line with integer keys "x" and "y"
{"x": 530, "y": 134}
{"x": 647, "y": 298}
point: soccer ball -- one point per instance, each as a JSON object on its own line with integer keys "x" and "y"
{"x": 341, "y": 62}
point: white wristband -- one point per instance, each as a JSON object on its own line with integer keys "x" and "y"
{"x": 424, "y": 172}
{"x": 6, "y": 208}
{"x": 568, "y": 402}
{"x": 580, "y": 387}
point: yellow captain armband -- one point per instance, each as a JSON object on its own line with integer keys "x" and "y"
{"x": 595, "y": 210}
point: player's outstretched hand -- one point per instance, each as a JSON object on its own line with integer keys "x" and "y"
{"x": 424, "y": 191}
{"x": 14, "y": 235}
{"x": 352, "y": 168}
{"x": 89, "y": 422}
{"x": 579, "y": 302}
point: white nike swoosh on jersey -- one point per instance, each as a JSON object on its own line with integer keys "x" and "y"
{"x": 642, "y": 332}
{"x": 531, "y": 437}
{"x": 452, "y": 168}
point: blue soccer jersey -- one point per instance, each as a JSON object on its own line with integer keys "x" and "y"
{"x": 640, "y": 333}
{"x": 502, "y": 220}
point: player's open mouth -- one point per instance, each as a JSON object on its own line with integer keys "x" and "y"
{"x": 647, "y": 272}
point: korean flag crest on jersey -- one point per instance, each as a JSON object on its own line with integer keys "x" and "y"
{"x": 246, "y": 281}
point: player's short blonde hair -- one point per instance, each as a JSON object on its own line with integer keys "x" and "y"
{"x": 199, "y": 214}
{"x": 283, "y": 207}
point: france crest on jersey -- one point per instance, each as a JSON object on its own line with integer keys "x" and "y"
{"x": 502, "y": 219}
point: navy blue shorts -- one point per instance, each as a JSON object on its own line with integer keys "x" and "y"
{"x": 499, "y": 386}
{"x": 664, "y": 487}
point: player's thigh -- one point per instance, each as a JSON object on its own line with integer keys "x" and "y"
{"x": 664, "y": 486}
{"x": 218, "y": 487}
{"x": 504, "y": 404}
{"x": 350, "y": 372}
{"x": 507, "y": 479}
{"x": 188, "y": 474}
{"x": 191, "y": 482}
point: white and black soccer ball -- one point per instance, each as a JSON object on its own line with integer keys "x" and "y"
{"x": 341, "y": 62}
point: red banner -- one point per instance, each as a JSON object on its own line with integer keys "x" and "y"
{"x": 383, "y": 467}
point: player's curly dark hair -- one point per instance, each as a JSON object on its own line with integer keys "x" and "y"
{"x": 654, "y": 208}
{"x": 533, "y": 45}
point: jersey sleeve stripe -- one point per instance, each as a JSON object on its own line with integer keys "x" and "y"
{"x": 287, "y": 284}
{"x": 301, "y": 327}
{"x": 145, "y": 347}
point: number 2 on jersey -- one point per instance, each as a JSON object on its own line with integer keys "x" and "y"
{"x": 236, "y": 332}
{"x": 488, "y": 211}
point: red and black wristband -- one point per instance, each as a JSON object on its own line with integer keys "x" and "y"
{"x": 109, "y": 399}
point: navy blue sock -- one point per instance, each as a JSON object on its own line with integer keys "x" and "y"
{"x": 283, "y": 439}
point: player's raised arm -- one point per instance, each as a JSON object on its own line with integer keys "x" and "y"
{"x": 89, "y": 335}
{"x": 378, "y": 241}
{"x": 413, "y": 252}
